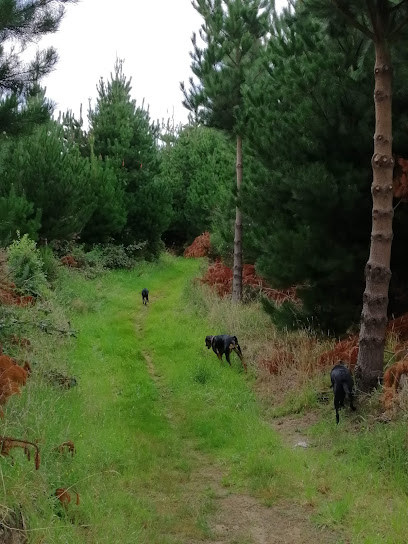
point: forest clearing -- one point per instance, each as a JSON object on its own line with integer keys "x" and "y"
{"x": 172, "y": 446}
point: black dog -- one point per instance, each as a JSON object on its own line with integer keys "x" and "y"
{"x": 145, "y": 296}
{"x": 342, "y": 383}
{"x": 224, "y": 343}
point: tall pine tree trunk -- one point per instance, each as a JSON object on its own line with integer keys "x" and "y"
{"x": 377, "y": 271}
{"x": 237, "y": 279}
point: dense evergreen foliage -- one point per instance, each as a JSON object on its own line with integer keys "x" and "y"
{"x": 198, "y": 168}
{"x": 22, "y": 102}
{"x": 314, "y": 111}
{"x": 51, "y": 173}
{"x": 21, "y": 23}
{"x": 302, "y": 100}
{"x": 123, "y": 134}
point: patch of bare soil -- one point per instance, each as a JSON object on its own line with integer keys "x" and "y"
{"x": 241, "y": 519}
{"x": 293, "y": 428}
{"x": 151, "y": 368}
{"x": 156, "y": 377}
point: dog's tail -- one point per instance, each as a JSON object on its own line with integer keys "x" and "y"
{"x": 237, "y": 346}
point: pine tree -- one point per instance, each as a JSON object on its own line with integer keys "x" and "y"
{"x": 233, "y": 31}
{"x": 109, "y": 215}
{"x": 49, "y": 171}
{"x": 22, "y": 22}
{"x": 382, "y": 22}
{"x": 311, "y": 98}
{"x": 123, "y": 133}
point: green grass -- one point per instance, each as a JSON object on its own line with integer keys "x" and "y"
{"x": 153, "y": 407}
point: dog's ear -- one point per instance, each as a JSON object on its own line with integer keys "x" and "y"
{"x": 208, "y": 341}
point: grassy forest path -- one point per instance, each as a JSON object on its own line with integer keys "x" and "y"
{"x": 176, "y": 448}
{"x": 174, "y": 443}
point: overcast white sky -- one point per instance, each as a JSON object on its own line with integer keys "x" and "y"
{"x": 154, "y": 38}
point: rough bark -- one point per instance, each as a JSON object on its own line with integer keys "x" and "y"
{"x": 237, "y": 279}
{"x": 377, "y": 272}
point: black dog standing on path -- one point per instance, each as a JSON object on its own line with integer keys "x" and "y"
{"x": 145, "y": 296}
{"x": 342, "y": 383}
{"x": 224, "y": 343}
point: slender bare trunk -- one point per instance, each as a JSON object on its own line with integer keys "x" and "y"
{"x": 237, "y": 279}
{"x": 377, "y": 272}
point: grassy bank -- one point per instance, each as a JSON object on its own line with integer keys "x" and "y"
{"x": 153, "y": 409}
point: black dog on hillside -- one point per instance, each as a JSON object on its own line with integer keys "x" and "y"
{"x": 224, "y": 343}
{"x": 145, "y": 296}
{"x": 342, "y": 383}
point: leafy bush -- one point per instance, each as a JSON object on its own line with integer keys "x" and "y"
{"x": 109, "y": 255}
{"x": 26, "y": 266}
{"x": 221, "y": 247}
{"x": 95, "y": 258}
{"x": 78, "y": 252}
{"x": 116, "y": 256}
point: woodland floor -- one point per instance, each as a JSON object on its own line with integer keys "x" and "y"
{"x": 175, "y": 448}
{"x": 234, "y": 516}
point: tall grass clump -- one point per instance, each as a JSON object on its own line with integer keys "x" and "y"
{"x": 284, "y": 363}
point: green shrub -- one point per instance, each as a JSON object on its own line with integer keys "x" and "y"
{"x": 95, "y": 258}
{"x": 78, "y": 252}
{"x": 116, "y": 256}
{"x": 120, "y": 256}
{"x": 26, "y": 266}
{"x": 50, "y": 263}
{"x": 222, "y": 248}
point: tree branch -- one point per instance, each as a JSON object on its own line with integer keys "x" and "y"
{"x": 354, "y": 22}
{"x": 320, "y": 107}
{"x": 399, "y": 28}
{"x": 372, "y": 13}
{"x": 398, "y": 6}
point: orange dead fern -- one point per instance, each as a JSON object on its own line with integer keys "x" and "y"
{"x": 14, "y": 373}
{"x": 400, "y": 182}
{"x": 18, "y": 341}
{"x": 392, "y": 379}
{"x": 64, "y": 496}
{"x": 67, "y": 446}
{"x": 392, "y": 375}
{"x": 7, "y": 362}
{"x": 7, "y": 443}
{"x": 70, "y": 261}
{"x": 200, "y": 247}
